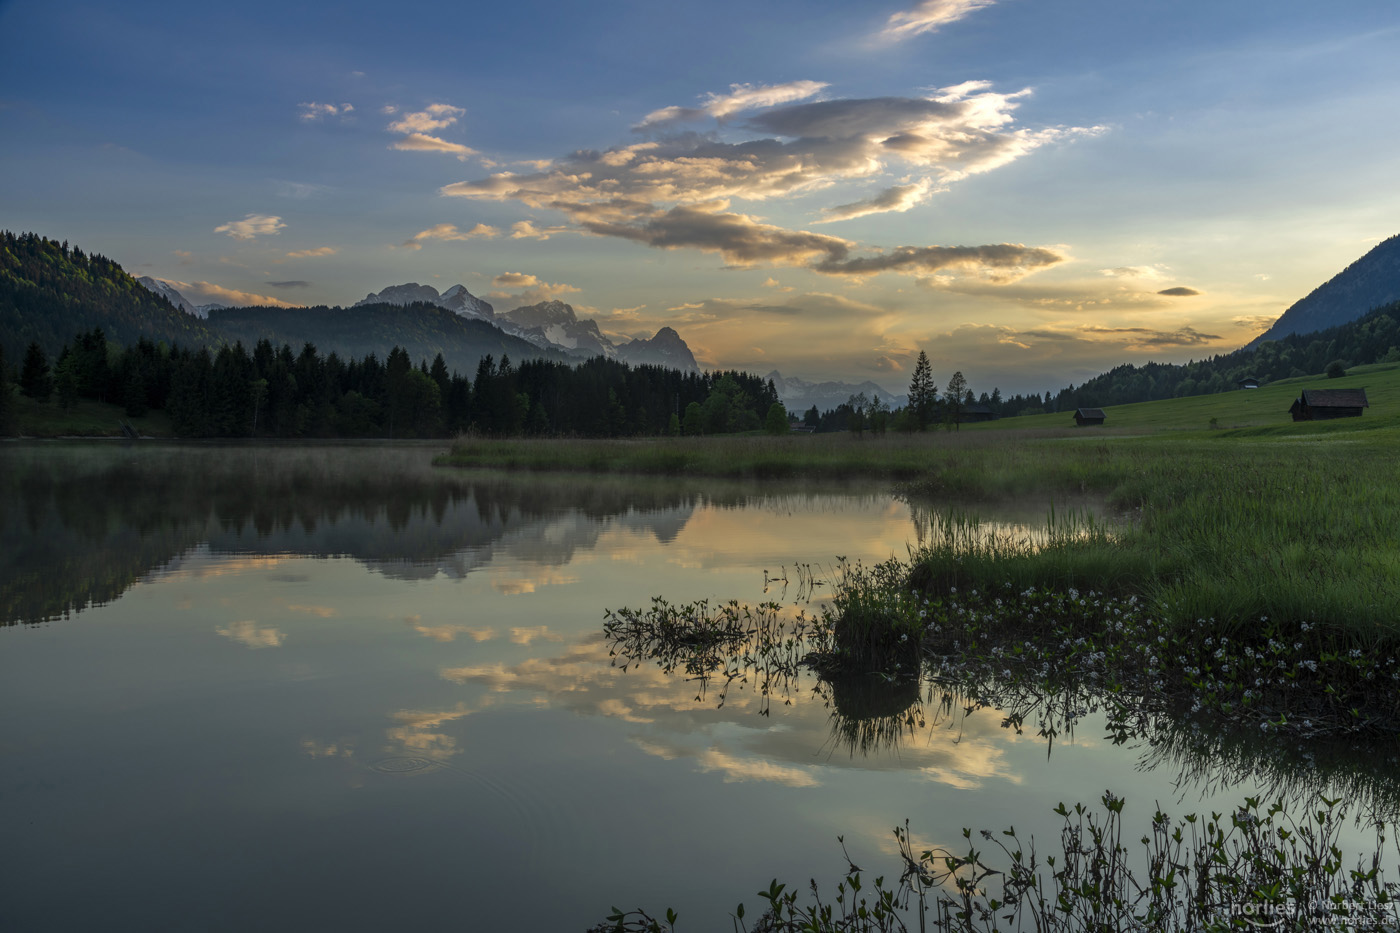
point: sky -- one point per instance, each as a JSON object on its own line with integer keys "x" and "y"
{"x": 1030, "y": 192}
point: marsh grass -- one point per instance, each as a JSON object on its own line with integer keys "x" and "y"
{"x": 1254, "y": 867}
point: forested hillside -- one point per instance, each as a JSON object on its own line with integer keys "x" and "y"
{"x": 50, "y": 291}
{"x": 1373, "y": 338}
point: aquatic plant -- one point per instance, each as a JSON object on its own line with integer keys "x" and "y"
{"x": 1253, "y": 867}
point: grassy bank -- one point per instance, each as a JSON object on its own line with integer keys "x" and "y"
{"x": 1218, "y": 528}
{"x": 85, "y": 418}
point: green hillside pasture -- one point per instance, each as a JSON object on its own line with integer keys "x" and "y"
{"x": 1240, "y": 408}
{"x": 85, "y": 419}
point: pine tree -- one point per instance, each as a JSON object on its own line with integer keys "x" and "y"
{"x": 7, "y": 403}
{"x": 922, "y": 392}
{"x": 35, "y": 379}
{"x": 953, "y": 400}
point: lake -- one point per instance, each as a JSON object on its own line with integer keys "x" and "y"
{"x": 333, "y": 687}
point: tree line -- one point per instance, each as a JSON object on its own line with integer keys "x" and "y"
{"x": 275, "y": 392}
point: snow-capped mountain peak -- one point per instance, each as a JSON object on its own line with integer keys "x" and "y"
{"x": 171, "y": 294}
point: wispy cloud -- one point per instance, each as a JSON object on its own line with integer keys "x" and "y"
{"x": 448, "y": 232}
{"x": 533, "y": 289}
{"x": 899, "y": 198}
{"x": 248, "y": 632}
{"x": 929, "y": 16}
{"x": 314, "y": 111}
{"x": 316, "y": 253}
{"x": 1180, "y": 291}
{"x": 514, "y": 280}
{"x": 434, "y": 117}
{"x": 741, "y": 97}
{"x": 254, "y": 225}
{"x": 295, "y": 283}
{"x": 421, "y": 142}
{"x": 209, "y": 293}
{"x": 525, "y": 230}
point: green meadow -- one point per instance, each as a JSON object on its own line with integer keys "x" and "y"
{"x": 85, "y": 418}
{"x": 1256, "y": 517}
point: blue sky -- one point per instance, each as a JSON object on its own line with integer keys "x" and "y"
{"x": 815, "y": 187}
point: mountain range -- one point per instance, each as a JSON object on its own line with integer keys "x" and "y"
{"x": 799, "y": 395}
{"x": 548, "y": 325}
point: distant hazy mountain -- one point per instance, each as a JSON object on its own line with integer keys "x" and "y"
{"x": 555, "y": 324}
{"x": 167, "y": 291}
{"x": 1371, "y": 281}
{"x": 456, "y": 299}
{"x": 666, "y": 348}
{"x": 422, "y": 329}
{"x": 798, "y": 395}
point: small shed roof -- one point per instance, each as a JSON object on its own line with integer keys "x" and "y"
{"x": 1088, "y": 413}
{"x": 1335, "y": 398}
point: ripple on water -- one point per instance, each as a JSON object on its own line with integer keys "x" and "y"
{"x": 402, "y": 764}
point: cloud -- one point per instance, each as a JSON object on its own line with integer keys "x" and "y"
{"x": 418, "y": 126}
{"x": 296, "y": 283}
{"x": 434, "y": 117}
{"x": 524, "y": 635}
{"x": 753, "y": 769}
{"x": 1001, "y": 262}
{"x": 248, "y": 632}
{"x": 524, "y": 230}
{"x": 929, "y": 16}
{"x": 300, "y": 190}
{"x": 741, "y": 97}
{"x": 448, "y": 232}
{"x": 1254, "y": 321}
{"x": 899, "y": 198}
{"x": 314, "y": 111}
{"x": 534, "y": 290}
{"x": 886, "y": 364}
{"x": 209, "y": 293}
{"x": 1143, "y": 338}
{"x": 1180, "y": 291}
{"x": 419, "y": 142}
{"x": 254, "y": 225}
{"x": 313, "y": 253}
{"x": 674, "y": 193}
{"x": 740, "y": 239}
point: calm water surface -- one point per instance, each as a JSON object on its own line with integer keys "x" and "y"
{"x": 333, "y": 688}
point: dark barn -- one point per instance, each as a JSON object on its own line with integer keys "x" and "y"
{"x": 1083, "y": 416}
{"x": 976, "y": 412}
{"x": 1322, "y": 404}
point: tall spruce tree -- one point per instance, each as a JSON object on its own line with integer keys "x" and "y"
{"x": 954, "y": 400}
{"x": 7, "y": 401}
{"x": 922, "y": 392}
{"x": 35, "y": 378}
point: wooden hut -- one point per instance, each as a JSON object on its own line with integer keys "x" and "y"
{"x": 1083, "y": 416}
{"x": 1249, "y": 382}
{"x": 976, "y": 412}
{"x": 1324, "y": 404}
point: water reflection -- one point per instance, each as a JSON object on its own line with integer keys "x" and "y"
{"x": 937, "y": 721}
{"x": 81, "y": 524}
{"x": 400, "y": 675}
